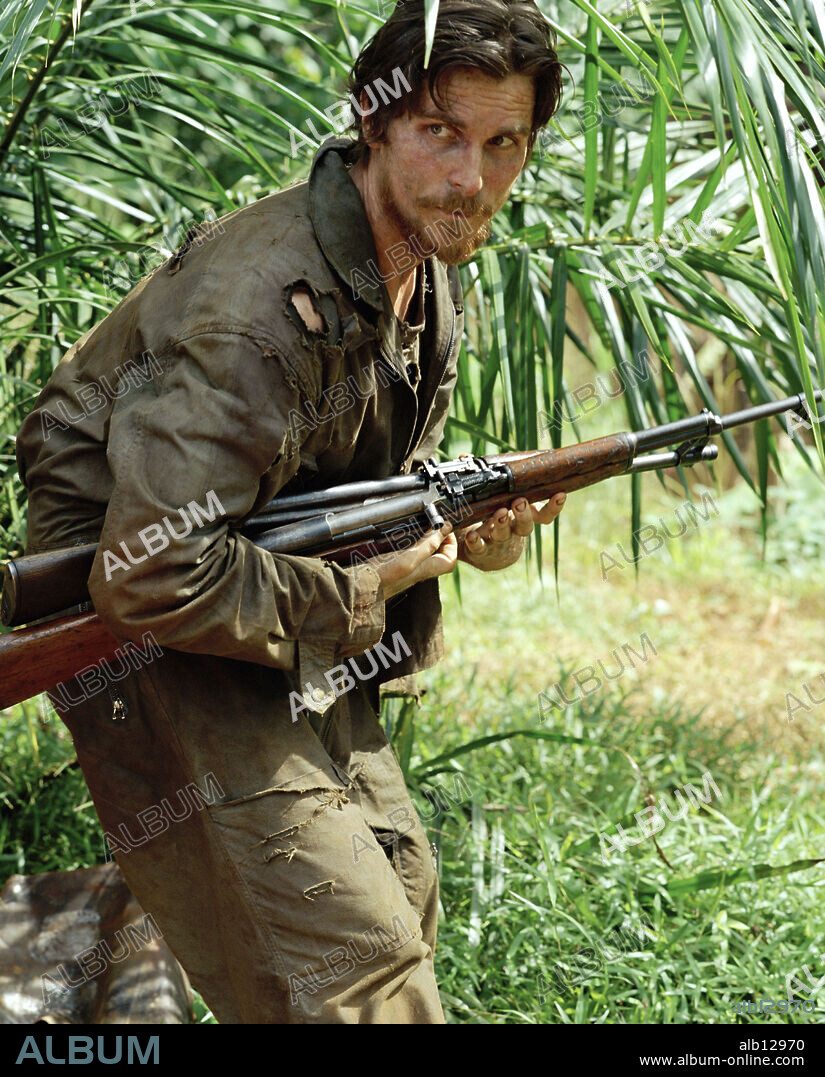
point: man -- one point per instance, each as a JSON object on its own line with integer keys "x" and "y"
{"x": 305, "y": 890}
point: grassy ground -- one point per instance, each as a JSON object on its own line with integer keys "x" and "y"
{"x": 552, "y": 913}
{"x": 543, "y": 922}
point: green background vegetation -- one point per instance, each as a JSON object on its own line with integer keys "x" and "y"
{"x": 673, "y": 210}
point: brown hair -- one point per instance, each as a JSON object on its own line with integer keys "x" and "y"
{"x": 497, "y": 37}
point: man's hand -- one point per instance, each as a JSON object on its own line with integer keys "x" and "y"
{"x": 500, "y": 540}
{"x": 434, "y": 555}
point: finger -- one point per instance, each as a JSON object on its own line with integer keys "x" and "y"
{"x": 429, "y": 544}
{"x": 495, "y": 519}
{"x": 502, "y": 526}
{"x": 550, "y": 511}
{"x": 475, "y": 543}
{"x": 523, "y": 515}
{"x": 444, "y": 560}
{"x": 446, "y": 556}
{"x": 442, "y": 536}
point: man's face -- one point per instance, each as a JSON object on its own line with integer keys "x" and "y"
{"x": 438, "y": 164}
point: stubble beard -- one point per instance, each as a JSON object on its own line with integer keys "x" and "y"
{"x": 428, "y": 240}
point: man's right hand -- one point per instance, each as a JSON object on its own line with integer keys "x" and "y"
{"x": 434, "y": 555}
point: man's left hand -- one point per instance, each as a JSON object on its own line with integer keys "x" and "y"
{"x": 499, "y": 542}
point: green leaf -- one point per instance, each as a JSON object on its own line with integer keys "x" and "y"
{"x": 430, "y": 21}
{"x": 591, "y": 127}
{"x": 723, "y": 877}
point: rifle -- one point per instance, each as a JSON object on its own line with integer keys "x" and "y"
{"x": 344, "y": 524}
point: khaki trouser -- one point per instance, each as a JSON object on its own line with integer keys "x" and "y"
{"x": 283, "y": 862}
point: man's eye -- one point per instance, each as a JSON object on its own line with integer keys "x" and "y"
{"x": 437, "y": 129}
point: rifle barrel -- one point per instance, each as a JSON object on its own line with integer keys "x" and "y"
{"x": 764, "y": 411}
{"x": 707, "y": 424}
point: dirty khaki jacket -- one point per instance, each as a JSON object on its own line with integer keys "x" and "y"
{"x": 204, "y": 386}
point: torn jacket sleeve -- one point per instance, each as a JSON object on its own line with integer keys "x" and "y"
{"x": 193, "y": 445}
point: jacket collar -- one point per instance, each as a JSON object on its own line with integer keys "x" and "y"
{"x": 339, "y": 219}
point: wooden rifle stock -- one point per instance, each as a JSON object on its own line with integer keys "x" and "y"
{"x": 36, "y": 659}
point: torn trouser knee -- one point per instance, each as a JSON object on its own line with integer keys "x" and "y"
{"x": 345, "y": 942}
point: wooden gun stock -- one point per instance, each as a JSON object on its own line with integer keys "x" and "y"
{"x": 41, "y": 583}
{"x": 36, "y": 659}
